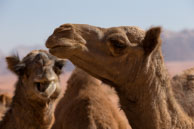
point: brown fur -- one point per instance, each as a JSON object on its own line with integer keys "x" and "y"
{"x": 85, "y": 106}
{"x": 183, "y": 88}
{"x": 130, "y": 60}
{"x": 33, "y": 104}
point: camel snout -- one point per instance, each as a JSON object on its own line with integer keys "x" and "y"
{"x": 42, "y": 86}
{"x": 50, "y": 42}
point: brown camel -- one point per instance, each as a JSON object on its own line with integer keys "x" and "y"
{"x": 87, "y": 106}
{"x": 129, "y": 59}
{"x": 183, "y": 88}
{"x": 36, "y": 91}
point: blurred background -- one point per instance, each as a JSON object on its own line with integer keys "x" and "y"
{"x": 25, "y": 25}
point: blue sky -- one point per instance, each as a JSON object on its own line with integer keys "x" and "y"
{"x": 30, "y": 22}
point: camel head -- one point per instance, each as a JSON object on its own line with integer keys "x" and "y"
{"x": 38, "y": 74}
{"x": 111, "y": 54}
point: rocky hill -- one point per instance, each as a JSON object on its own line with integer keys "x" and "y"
{"x": 176, "y": 46}
{"x": 22, "y": 51}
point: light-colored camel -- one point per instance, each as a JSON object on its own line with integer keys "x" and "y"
{"x": 86, "y": 105}
{"x": 183, "y": 88}
{"x": 5, "y": 101}
{"x": 129, "y": 59}
{"x": 3, "y": 109}
{"x": 36, "y": 91}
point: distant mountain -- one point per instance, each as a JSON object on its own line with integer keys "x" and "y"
{"x": 1, "y": 54}
{"x": 23, "y": 51}
{"x": 178, "y": 46}
{"x": 2, "y": 63}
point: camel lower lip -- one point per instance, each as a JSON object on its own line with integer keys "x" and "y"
{"x": 57, "y": 47}
{"x": 50, "y": 90}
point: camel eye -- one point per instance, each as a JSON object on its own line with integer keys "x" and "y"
{"x": 117, "y": 44}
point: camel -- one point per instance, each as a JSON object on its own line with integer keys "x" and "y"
{"x": 36, "y": 91}
{"x": 3, "y": 109}
{"x": 86, "y": 105}
{"x": 130, "y": 60}
{"x": 5, "y": 101}
{"x": 183, "y": 89}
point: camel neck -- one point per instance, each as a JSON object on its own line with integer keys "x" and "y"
{"x": 78, "y": 81}
{"x": 151, "y": 104}
{"x": 27, "y": 114}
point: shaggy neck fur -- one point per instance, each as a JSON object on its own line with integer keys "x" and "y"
{"x": 148, "y": 101}
{"x": 28, "y": 114}
{"x": 90, "y": 106}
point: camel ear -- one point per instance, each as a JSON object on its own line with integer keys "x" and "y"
{"x": 152, "y": 40}
{"x": 59, "y": 65}
{"x": 14, "y": 64}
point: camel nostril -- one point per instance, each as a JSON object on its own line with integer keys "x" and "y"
{"x": 41, "y": 87}
{"x": 38, "y": 86}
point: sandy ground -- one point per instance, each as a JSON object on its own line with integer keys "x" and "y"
{"x": 177, "y": 67}
{"x": 7, "y": 82}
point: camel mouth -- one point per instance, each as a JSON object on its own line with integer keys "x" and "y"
{"x": 45, "y": 89}
{"x": 60, "y": 46}
{"x": 57, "y": 50}
{"x": 53, "y": 43}
{"x": 63, "y": 43}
